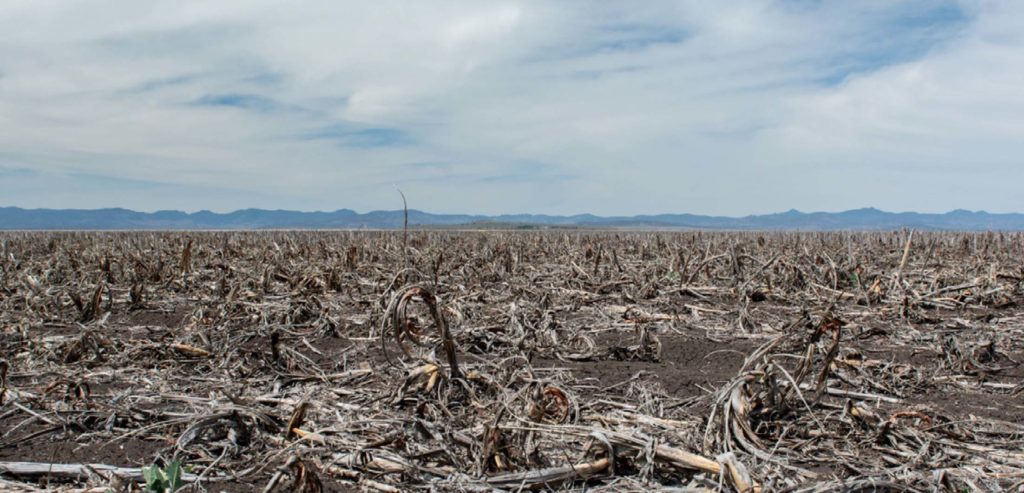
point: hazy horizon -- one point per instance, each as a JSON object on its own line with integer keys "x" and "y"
{"x": 472, "y": 213}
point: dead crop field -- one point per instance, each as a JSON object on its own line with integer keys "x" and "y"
{"x": 512, "y": 361}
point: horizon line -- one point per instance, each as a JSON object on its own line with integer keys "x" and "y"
{"x": 343, "y": 209}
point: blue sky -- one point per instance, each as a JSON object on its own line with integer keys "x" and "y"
{"x": 732, "y": 107}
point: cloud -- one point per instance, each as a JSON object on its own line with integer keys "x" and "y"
{"x": 518, "y": 106}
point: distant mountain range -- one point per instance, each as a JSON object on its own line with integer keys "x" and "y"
{"x": 859, "y": 219}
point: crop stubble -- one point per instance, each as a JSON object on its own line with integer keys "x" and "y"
{"x": 472, "y": 361}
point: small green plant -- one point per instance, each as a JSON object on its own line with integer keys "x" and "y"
{"x": 166, "y": 480}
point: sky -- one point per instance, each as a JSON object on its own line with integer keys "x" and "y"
{"x": 731, "y": 107}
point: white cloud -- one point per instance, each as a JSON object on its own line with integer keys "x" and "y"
{"x": 519, "y": 106}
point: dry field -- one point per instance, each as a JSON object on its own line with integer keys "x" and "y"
{"x": 448, "y": 361}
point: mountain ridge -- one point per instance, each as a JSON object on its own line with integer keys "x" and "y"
{"x": 869, "y": 218}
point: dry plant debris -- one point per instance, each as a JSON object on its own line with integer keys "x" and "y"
{"x": 510, "y": 361}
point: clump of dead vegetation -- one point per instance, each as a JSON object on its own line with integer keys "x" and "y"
{"x": 447, "y": 361}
